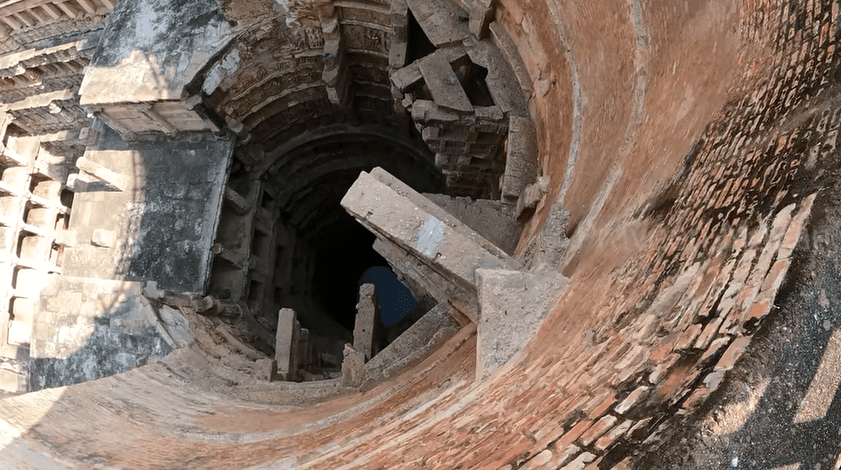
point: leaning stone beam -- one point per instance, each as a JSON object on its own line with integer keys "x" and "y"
{"x": 286, "y": 345}
{"x": 401, "y": 216}
{"x": 368, "y": 326}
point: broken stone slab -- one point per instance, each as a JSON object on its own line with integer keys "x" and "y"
{"x": 353, "y": 367}
{"x": 426, "y": 334}
{"x": 443, "y": 83}
{"x": 418, "y": 202}
{"x": 494, "y": 220}
{"x": 368, "y": 328}
{"x": 266, "y": 369}
{"x": 286, "y": 345}
{"x": 401, "y": 216}
{"x": 512, "y": 306}
{"x": 501, "y": 79}
{"x": 481, "y": 14}
{"x": 521, "y": 158}
{"x": 425, "y": 282}
{"x": 532, "y": 196}
{"x": 442, "y": 21}
{"x": 407, "y": 77}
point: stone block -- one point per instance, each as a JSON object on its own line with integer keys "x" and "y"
{"x": 28, "y": 283}
{"x": 353, "y": 367}
{"x": 521, "y": 158}
{"x": 42, "y": 217}
{"x": 35, "y": 248}
{"x": 443, "y": 84}
{"x": 20, "y": 332}
{"x": 634, "y": 398}
{"x": 508, "y": 48}
{"x": 23, "y": 310}
{"x": 286, "y": 344}
{"x": 425, "y": 282}
{"x": 545, "y": 251}
{"x": 613, "y": 435}
{"x": 236, "y": 201}
{"x": 581, "y": 462}
{"x": 407, "y": 77}
{"x": 10, "y": 206}
{"x": 368, "y": 328}
{"x": 733, "y": 353}
{"x": 400, "y": 216}
{"x": 597, "y": 430}
{"x": 49, "y": 189}
{"x": 481, "y": 14}
{"x": 512, "y": 306}
{"x": 432, "y": 329}
{"x": 493, "y": 220}
{"x": 531, "y": 196}
{"x": 443, "y": 21}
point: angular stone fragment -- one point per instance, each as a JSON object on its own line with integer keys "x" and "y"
{"x": 436, "y": 19}
{"x": 266, "y": 369}
{"x": 512, "y": 307}
{"x": 403, "y": 218}
{"x": 286, "y": 345}
{"x": 353, "y": 367}
{"x": 521, "y": 160}
{"x": 532, "y": 195}
{"x": 368, "y": 328}
{"x": 431, "y": 330}
{"x": 443, "y": 83}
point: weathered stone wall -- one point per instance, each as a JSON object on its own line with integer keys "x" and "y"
{"x": 86, "y": 329}
{"x": 686, "y": 141}
{"x": 162, "y": 221}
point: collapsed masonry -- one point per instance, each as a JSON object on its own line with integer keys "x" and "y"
{"x": 470, "y": 279}
{"x": 274, "y": 120}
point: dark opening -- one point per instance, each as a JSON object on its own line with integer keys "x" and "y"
{"x": 419, "y": 44}
{"x": 343, "y": 256}
{"x": 472, "y": 78}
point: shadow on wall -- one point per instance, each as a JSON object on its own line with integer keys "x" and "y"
{"x": 158, "y": 225}
{"x": 783, "y": 410}
{"x": 114, "y": 330}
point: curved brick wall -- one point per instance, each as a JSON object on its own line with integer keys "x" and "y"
{"x": 682, "y": 137}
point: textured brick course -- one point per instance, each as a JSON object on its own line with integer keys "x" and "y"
{"x": 700, "y": 160}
